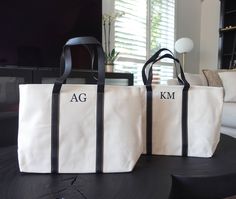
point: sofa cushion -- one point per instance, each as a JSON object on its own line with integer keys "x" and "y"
{"x": 229, "y": 83}
{"x": 213, "y": 78}
{"x": 229, "y": 115}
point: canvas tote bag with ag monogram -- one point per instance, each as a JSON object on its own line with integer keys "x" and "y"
{"x": 180, "y": 120}
{"x": 79, "y": 128}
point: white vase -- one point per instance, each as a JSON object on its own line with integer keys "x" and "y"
{"x": 109, "y": 68}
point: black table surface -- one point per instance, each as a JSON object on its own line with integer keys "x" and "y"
{"x": 151, "y": 178}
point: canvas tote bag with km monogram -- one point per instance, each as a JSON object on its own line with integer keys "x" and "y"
{"x": 66, "y": 128}
{"x": 180, "y": 120}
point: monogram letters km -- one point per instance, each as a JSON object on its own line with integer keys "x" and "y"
{"x": 167, "y": 95}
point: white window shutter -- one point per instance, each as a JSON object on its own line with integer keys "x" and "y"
{"x": 146, "y": 26}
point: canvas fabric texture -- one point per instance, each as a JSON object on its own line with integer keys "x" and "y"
{"x": 204, "y": 119}
{"x": 65, "y": 128}
{"x": 77, "y": 130}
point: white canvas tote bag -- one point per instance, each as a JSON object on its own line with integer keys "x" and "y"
{"x": 79, "y": 128}
{"x": 180, "y": 120}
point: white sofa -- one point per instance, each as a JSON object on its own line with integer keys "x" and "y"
{"x": 228, "y": 125}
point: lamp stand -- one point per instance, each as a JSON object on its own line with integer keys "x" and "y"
{"x": 183, "y": 61}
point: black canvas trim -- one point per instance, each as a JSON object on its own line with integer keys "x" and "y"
{"x": 100, "y": 129}
{"x": 149, "y": 120}
{"x": 185, "y": 121}
{"x": 55, "y": 128}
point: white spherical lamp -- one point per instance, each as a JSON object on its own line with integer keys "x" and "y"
{"x": 183, "y": 46}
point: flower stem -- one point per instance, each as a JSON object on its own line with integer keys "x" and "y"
{"x": 109, "y": 36}
{"x": 105, "y": 35}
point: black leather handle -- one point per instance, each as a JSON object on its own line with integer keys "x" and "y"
{"x": 84, "y": 41}
{"x": 66, "y": 58}
{"x": 88, "y": 42}
{"x": 182, "y": 79}
{"x": 91, "y": 52}
{"x": 153, "y": 59}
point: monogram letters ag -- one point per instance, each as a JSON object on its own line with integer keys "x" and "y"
{"x": 78, "y": 98}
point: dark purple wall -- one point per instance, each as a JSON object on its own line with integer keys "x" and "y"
{"x": 32, "y": 32}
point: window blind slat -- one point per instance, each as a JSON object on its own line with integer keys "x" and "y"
{"x": 131, "y": 36}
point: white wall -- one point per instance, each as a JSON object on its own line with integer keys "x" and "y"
{"x": 210, "y": 18}
{"x": 199, "y": 20}
{"x": 188, "y": 24}
{"x": 107, "y": 6}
